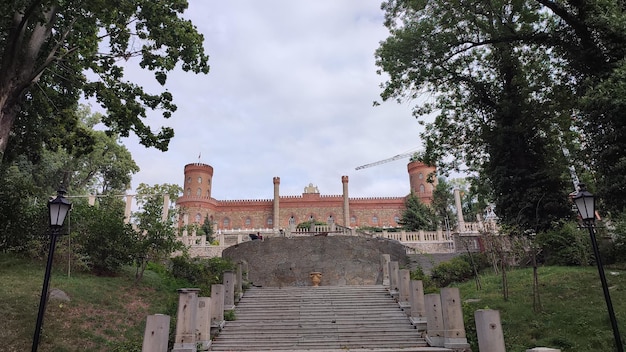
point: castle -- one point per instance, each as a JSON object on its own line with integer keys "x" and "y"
{"x": 282, "y": 212}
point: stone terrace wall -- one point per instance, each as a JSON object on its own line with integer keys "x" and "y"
{"x": 342, "y": 260}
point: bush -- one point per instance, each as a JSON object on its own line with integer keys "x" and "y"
{"x": 566, "y": 245}
{"x": 456, "y": 270}
{"x": 429, "y": 286}
{"x": 201, "y": 272}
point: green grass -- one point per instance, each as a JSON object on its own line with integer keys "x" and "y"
{"x": 104, "y": 314}
{"x": 108, "y": 313}
{"x": 574, "y": 316}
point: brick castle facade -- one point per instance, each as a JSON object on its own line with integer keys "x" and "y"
{"x": 281, "y": 211}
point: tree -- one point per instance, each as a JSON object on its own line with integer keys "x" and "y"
{"x": 52, "y": 52}
{"x": 207, "y": 229}
{"x": 417, "y": 215}
{"x": 443, "y": 203}
{"x": 500, "y": 98}
{"x": 106, "y": 242}
{"x": 155, "y": 233}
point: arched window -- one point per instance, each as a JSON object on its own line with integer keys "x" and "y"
{"x": 198, "y": 217}
{"x": 420, "y": 176}
{"x": 292, "y": 220}
{"x": 330, "y": 219}
{"x": 226, "y": 223}
{"x": 353, "y": 220}
{"x": 199, "y": 179}
{"x": 374, "y": 220}
{"x": 188, "y": 179}
{"x": 188, "y": 191}
{"x": 269, "y": 222}
{"x": 208, "y": 193}
{"x": 396, "y": 219}
{"x": 199, "y": 192}
{"x": 248, "y": 222}
{"x": 422, "y": 189}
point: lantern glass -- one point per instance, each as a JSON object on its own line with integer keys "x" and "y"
{"x": 585, "y": 202}
{"x": 58, "y": 209}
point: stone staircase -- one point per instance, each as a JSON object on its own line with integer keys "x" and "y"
{"x": 325, "y": 318}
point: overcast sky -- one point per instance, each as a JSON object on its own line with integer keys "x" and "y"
{"x": 289, "y": 94}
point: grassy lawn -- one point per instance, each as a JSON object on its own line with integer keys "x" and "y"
{"x": 108, "y": 313}
{"x": 104, "y": 314}
{"x": 574, "y": 315}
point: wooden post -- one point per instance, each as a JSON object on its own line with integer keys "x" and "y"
{"x": 185, "y": 340}
{"x": 489, "y": 330}
{"x": 156, "y": 334}
{"x": 418, "y": 310}
{"x": 454, "y": 327}
{"x": 203, "y": 322}
{"x": 434, "y": 320}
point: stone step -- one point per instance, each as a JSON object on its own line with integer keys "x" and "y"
{"x": 342, "y": 318}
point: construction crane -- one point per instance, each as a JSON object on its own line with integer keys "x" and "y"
{"x": 399, "y": 156}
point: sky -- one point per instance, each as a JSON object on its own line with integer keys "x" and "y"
{"x": 290, "y": 94}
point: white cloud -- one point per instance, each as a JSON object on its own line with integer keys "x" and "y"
{"x": 289, "y": 94}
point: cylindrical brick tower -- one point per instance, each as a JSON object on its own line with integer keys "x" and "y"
{"x": 198, "y": 179}
{"x": 418, "y": 178}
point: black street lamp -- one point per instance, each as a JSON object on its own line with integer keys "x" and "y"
{"x": 585, "y": 202}
{"x": 58, "y": 208}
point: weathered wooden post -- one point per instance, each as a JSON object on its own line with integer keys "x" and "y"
{"x": 203, "y": 322}
{"x": 418, "y": 310}
{"x": 384, "y": 263}
{"x": 404, "y": 290}
{"x": 217, "y": 306}
{"x": 185, "y": 340}
{"x": 229, "y": 290}
{"x": 489, "y": 330}
{"x": 394, "y": 277}
{"x": 434, "y": 320}
{"x": 156, "y": 334}
{"x": 454, "y": 327}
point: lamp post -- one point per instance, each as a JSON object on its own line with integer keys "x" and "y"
{"x": 58, "y": 209}
{"x": 585, "y": 202}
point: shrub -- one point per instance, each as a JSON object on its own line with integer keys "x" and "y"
{"x": 201, "y": 272}
{"x": 456, "y": 270}
{"x": 565, "y": 245}
{"x": 429, "y": 286}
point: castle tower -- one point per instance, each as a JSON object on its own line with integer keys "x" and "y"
{"x": 198, "y": 179}
{"x": 418, "y": 178}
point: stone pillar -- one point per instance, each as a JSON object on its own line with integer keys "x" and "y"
{"x": 459, "y": 210}
{"x": 129, "y": 206}
{"x": 166, "y": 207}
{"x": 221, "y": 239}
{"x": 394, "y": 277}
{"x": 185, "y": 340}
{"x": 434, "y": 320}
{"x": 217, "y": 305}
{"x": 418, "y": 309}
{"x": 156, "y": 334}
{"x": 203, "y": 322}
{"x": 404, "y": 289}
{"x": 454, "y": 328}
{"x": 229, "y": 290}
{"x": 239, "y": 281}
{"x": 276, "y": 214}
{"x": 384, "y": 263}
{"x": 489, "y": 330}
{"x": 346, "y": 202}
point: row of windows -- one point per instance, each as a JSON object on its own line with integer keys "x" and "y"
{"x": 199, "y": 180}
{"x": 198, "y": 192}
{"x": 292, "y": 220}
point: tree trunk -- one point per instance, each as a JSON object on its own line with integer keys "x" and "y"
{"x": 8, "y": 113}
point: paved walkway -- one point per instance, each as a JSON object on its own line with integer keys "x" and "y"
{"x": 325, "y": 318}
